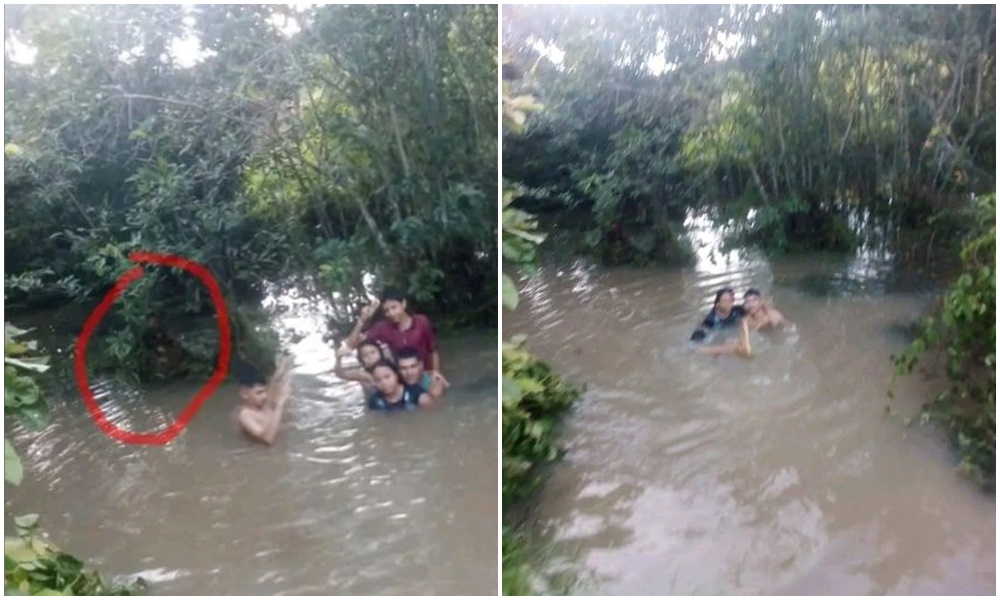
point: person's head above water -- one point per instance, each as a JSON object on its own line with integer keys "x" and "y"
{"x": 724, "y": 301}
{"x": 387, "y": 376}
{"x": 751, "y": 301}
{"x": 252, "y": 385}
{"x": 394, "y": 304}
{"x": 369, "y": 353}
{"x": 411, "y": 368}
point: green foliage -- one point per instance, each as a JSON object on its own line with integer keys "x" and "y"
{"x": 964, "y": 331}
{"x": 797, "y": 115}
{"x": 270, "y": 155}
{"x": 33, "y": 566}
{"x": 519, "y": 229}
{"x": 533, "y": 397}
{"x": 520, "y": 239}
{"x": 22, "y": 398}
{"x": 533, "y": 400}
{"x": 393, "y": 155}
{"x": 515, "y": 579}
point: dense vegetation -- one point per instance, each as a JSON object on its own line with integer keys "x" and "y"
{"x": 533, "y": 397}
{"x": 788, "y": 124}
{"x": 268, "y": 143}
{"x": 965, "y": 332}
{"x": 796, "y": 128}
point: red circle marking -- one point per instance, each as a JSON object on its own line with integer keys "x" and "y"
{"x": 162, "y": 436}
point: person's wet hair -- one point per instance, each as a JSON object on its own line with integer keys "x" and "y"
{"x": 752, "y": 292}
{"x": 373, "y": 344}
{"x": 249, "y": 376}
{"x": 407, "y": 352}
{"x": 719, "y": 294}
{"x": 384, "y": 362}
{"x": 391, "y": 293}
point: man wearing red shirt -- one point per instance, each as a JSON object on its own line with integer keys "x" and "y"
{"x": 400, "y": 329}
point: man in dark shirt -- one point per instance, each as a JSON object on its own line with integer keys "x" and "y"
{"x": 399, "y": 330}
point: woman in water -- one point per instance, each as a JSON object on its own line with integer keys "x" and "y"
{"x": 369, "y": 352}
{"x": 391, "y": 393}
{"x": 724, "y": 313}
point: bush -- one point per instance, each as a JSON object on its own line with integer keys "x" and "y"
{"x": 31, "y": 565}
{"x": 964, "y": 330}
{"x": 533, "y": 400}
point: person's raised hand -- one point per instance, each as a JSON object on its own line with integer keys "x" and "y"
{"x": 437, "y": 376}
{"x": 344, "y": 351}
{"x": 368, "y": 311}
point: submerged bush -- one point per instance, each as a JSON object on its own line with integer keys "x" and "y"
{"x": 516, "y": 574}
{"x": 533, "y": 399}
{"x": 35, "y": 567}
{"x": 964, "y": 331}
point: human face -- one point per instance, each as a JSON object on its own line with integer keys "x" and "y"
{"x": 726, "y": 302}
{"x": 254, "y": 396}
{"x": 385, "y": 379}
{"x": 752, "y": 304}
{"x": 395, "y": 310}
{"x": 369, "y": 355}
{"x": 411, "y": 369}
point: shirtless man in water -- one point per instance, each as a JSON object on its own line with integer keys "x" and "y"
{"x": 263, "y": 403}
{"x": 759, "y": 315}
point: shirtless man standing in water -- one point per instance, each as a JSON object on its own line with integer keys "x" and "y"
{"x": 263, "y": 403}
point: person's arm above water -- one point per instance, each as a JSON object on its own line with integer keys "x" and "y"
{"x": 280, "y": 387}
{"x": 354, "y": 338}
{"x": 739, "y": 347}
{"x": 425, "y": 400}
{"x": 264, "y": 424}
{"x": 433, "y": 358}
{"x": 355, "y": 374}
{"x": 438, "y": 385}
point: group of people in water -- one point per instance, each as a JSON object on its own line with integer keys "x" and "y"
{"x": 398, "y": 368}
{"x": 753, "y": 315}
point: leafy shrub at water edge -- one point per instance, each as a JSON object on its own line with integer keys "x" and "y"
{"x": 964, "y": 331}
{"x": 33, "y": 566}
{"x": 533, "y": 399}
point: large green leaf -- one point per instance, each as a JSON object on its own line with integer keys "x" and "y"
{"x": 12, "y": 470}
{"x": 509, "y": 292}
{"x": 26, "y": 522}
{"x": 39, "y": 363}
{"x": 35, "y": 416}
{"x": 19, "y": 550}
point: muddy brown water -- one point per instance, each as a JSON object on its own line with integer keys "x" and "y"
{"x": 345, "y": 502}
{"x": 782, "y": 474}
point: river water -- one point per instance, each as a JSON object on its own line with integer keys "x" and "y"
{"x": 345, "y": 502}
{"x": 782, "y": 474}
